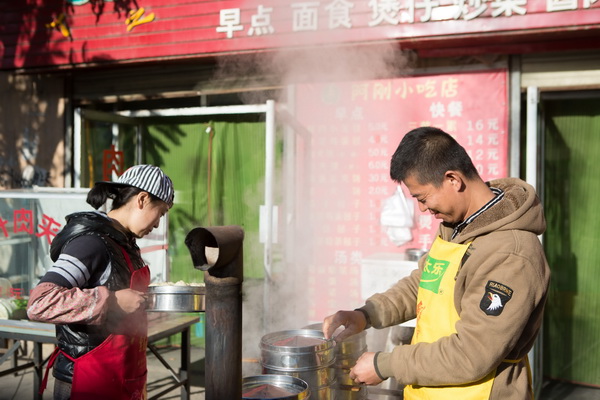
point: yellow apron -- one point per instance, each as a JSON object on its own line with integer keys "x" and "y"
{"x": 437, "y": 316}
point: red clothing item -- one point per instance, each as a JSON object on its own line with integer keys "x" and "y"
{"x": 116, "y": 369}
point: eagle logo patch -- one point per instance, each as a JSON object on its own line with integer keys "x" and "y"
{"x": 495, "y": 297}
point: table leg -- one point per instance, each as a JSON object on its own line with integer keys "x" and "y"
{"x": 38, "y": 369}
{"x": 15, "y": 360}
{"x": 185, "y": 364}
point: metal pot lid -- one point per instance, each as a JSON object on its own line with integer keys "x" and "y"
{"x": 357, "y": 336}
{"x": 298, "y": 340}
{"x": 177, "y": 289}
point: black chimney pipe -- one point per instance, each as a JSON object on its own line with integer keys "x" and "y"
{"x": 218, "y": 251}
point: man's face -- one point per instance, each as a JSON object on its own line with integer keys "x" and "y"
{"x": 442, "y": 202}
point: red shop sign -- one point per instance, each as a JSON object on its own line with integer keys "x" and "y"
{"x": 71, "y": 32}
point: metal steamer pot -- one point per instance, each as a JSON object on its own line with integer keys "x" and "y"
{"x": 347, "y": 352}
{"x": 280, "y": 387}
{"x": 175, "y": 298}
{"x": 304, "y": 354}
{"x": 279, "y": 350}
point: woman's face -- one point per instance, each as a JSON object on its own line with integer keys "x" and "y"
{"x": 143, "y": 214}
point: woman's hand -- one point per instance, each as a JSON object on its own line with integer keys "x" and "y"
{"x": 130, "y": 301}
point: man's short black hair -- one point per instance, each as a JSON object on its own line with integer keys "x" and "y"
{"x": 427, "y": 153}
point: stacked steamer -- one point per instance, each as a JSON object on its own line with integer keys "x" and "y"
{"x": 304, "y": 354}
{"x": 347, "y": 352}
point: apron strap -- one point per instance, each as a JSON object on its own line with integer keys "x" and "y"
{"x": 140, "y": 278}
{"x": 528, "y": 366}
{"x": 513, "y": 361}
{"x": 128, "y": 260}
{"x": 51, "y": 360}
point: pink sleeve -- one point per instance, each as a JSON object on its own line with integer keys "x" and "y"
{"x": 58, "y": 305}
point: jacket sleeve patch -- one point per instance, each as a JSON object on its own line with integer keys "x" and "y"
{"x": 495, "y": 297}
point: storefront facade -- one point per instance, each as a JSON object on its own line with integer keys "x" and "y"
{"x": 95, "y": 87}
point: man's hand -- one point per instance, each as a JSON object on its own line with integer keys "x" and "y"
{"x": 353, "y": 321}
{"x": 130, "y": 301}
{"x": 364, "y": 370}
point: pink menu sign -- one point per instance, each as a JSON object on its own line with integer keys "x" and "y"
{"x": 351, "y": 130}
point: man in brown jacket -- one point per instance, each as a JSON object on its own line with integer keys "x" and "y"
{"x": 478, "y": 294}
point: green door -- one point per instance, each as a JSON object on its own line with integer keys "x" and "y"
{"x": 217, "y": 163}
{"x": 572, "y": 240}
{"x": 218, "y": 169}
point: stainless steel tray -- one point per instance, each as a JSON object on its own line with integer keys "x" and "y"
{"x": 175, "y": 298}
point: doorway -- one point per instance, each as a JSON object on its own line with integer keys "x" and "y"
{"x": 222, "y": 162}
{"x": 571, "y": 138}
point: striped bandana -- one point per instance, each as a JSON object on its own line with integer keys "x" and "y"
{"x": 150, "y": 179}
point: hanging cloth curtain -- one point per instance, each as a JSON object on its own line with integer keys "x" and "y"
{"x": 218, "y": 177}
{"x": 571, "y": 190}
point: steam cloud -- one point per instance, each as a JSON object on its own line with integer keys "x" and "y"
{"x": 281, "y": 302}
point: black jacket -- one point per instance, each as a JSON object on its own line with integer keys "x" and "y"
{"x": 78, "y": 339}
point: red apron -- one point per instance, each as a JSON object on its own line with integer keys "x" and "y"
{"x": 116, "y": 369}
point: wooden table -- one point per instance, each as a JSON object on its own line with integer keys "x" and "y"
{"x": 160, "y": 326}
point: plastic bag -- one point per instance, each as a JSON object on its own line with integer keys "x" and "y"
{"x": 397, "y": 216}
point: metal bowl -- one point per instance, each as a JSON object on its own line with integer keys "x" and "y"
{"x": 175, "y": 298}
{"x": 415, "y": 254}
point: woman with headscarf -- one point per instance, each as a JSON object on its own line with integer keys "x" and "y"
{"x": 95, "y": 290}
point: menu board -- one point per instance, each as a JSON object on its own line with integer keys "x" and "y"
{"x": 350, "y": 131}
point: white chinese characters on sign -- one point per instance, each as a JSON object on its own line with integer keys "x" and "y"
{"x": 306, "y": 16}
{"x": 507, "y": 7}
{"x": 261, "y": 22}
{"x": 384, "y": 11}
{"x": 229, "y": 21}
{"x": 339, "y": 14}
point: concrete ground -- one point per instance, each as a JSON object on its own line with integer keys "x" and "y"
{"x": 20, "y": 386}
{"x": 556, "y": 390}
